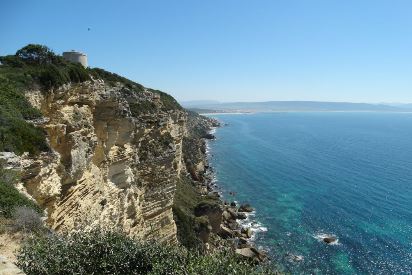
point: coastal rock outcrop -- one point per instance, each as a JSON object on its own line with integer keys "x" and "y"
{"x": 115, "y": 155}
{"x": 213, "y": 212}
{"x": 246, "y": 208}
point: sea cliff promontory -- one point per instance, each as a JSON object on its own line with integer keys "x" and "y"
{"x": 94, "y": 150}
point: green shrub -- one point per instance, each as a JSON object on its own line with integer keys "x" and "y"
{"x": 77, "y": 73}
{"x": 16, "y": 135}
{"x": 36, "y": 54}
{"x": 185, "y": 200}
{"x": 169, "y": 103}
{"x": 112, "y": 79}
{"x": 11, "y": 198}
{"x": 186, "y": 226}
{"x": 27, "y": 219}
{"x": 104, "y": 252}
{"x": 138, "y": 108}
{"x": 95, "y": 252}
{"x": 12, "y": 60}
{"x": 50, "y": 76}
{"x": 224, "y": 261}
{"x": 43, "y": 66}
{"x": 13, "y": 100}
{"x": 33, "y": 66}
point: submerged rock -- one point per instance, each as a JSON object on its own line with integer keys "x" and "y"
{"x": 294, "y": 258}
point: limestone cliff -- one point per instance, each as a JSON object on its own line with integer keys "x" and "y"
{"x": 113, "y": 161}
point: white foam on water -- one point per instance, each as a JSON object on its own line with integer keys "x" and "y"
{"x": 254, "y": 225}
{"x": 321, "y": 236}
{"x": 212, "y": 130}
{"x": 207, "y": 148}
{"x": 294, "y": 258}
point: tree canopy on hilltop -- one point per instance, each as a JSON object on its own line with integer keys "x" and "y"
{"x": 37, "y": 54}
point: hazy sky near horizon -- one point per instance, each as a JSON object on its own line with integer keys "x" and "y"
{"x": 232, "y": 50}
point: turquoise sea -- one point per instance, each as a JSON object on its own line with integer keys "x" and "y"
{"x": 309, "y": 174}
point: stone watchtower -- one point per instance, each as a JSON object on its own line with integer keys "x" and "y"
{"x": 74, "y": 56}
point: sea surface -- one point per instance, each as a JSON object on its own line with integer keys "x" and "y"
{"x": 314, "y": 174}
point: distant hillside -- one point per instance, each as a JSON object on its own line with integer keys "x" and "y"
{"x": 303, "y": 106}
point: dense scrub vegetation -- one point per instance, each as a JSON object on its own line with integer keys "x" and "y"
{"x": 17, "y": 135}
{"x": 38, "y": 65}
{"x": 105, "y": 252}
{"x": 33, "y": 66}
{"x": 113, "y": 79}
{"x": 186, "y": 199}
{"x": 10, "y": 197}
{"x": 17, "y": 212}
{"x": 137, "y": 108}
{"x": 169, "y": 103}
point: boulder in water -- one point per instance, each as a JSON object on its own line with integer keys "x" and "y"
{"x": 329, "y": 239}
{"x": 247, "y": 232}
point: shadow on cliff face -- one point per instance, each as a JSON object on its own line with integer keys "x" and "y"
{"x": 197, "y": 214}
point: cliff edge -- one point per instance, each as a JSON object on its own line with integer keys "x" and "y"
{"x": 112, "y": 153}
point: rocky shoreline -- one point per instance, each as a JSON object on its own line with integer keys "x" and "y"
{"x": 237, "y": 235}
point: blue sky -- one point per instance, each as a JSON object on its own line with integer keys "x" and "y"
{"x": 232, "y": 50}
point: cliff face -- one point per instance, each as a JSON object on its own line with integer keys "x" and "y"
{"x": 113, "y": 161}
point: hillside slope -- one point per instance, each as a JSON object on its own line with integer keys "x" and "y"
{"x": 102, "y": 150}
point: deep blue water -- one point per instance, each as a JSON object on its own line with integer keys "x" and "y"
{"x": 347, "y": 174}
